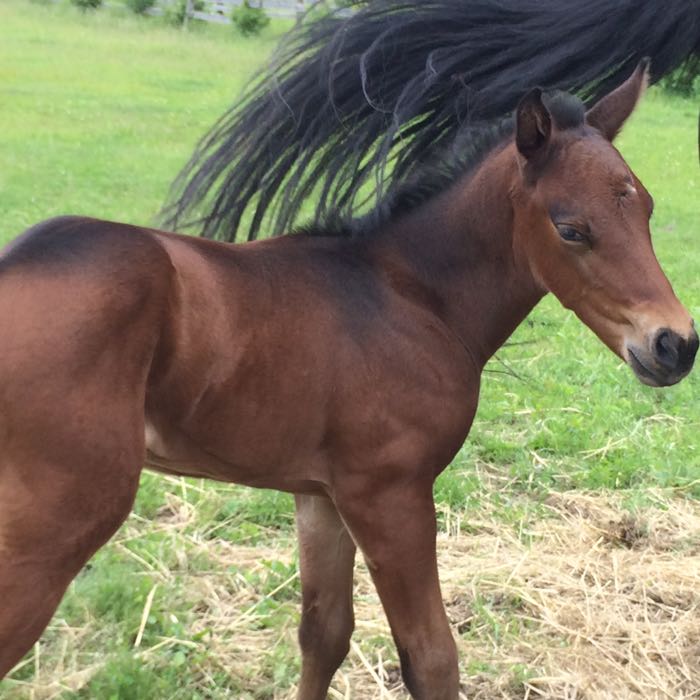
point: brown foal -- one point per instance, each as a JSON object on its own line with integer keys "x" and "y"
{"x": 343, "y": 370}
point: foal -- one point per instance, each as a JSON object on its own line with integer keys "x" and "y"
{"x": 342, "y": 369}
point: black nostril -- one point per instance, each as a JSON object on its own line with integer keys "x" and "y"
{"x": 674, "y": 353}
{"x": 667, "y": 348}
{"x": 690, "y": 350}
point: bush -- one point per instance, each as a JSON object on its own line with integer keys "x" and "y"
{"x": 684, "y": 81}
{"x": 140, "y": 7}
{"x": 176, "y": 12}
{"x": 249, "y": 20}
{"x": 87, "y": 4}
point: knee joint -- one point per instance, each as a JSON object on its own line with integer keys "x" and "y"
{"x": 326, "y": 630}
{"x": 433, "y": 673}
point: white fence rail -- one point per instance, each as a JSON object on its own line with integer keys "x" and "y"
{"x": 220, "y": 10}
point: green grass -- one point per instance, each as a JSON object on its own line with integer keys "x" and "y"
{"x": 99, "y": 112}
{"x": 101, "y": 109}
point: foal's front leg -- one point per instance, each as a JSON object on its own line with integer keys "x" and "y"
{"x": 326, "y": 560}
{"x": 395, "y": 528}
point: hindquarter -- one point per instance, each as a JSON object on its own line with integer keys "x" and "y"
{"x": 81, "y": 302}
{"x": 80, "y": 308}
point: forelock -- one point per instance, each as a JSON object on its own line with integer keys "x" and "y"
{"x": 567, "y": 110}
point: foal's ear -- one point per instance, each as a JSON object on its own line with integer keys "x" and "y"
{"x": 533, "y": 125}
{"x": 610, "y": 113}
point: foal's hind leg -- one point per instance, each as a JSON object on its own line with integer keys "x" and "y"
{"x": 395, "y": 528}
{"x": 326, "y": 558}
{"x": 53, "y": 517}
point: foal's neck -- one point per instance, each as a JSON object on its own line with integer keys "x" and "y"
{"x": 458, "y": 248}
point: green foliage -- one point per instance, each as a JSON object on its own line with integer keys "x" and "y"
{"x": 87, "y": 4}
{"x": 98, "y": 594}
{"x": 140, "y": 7}
{"x": 249, "y": 20}
{"x": 125, "y": 676}
{"x": 176, "y": 13}
{"x": 684, "y": 81}
{"x": 281, "y": 667}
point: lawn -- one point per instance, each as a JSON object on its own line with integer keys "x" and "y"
{"x": 571, "y": 466}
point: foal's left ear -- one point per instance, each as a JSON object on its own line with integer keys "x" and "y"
{"x": 611, "y": 112}
{"x": 533, "y": 125}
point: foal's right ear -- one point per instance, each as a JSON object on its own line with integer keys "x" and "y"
{"x": 533, "y": 125}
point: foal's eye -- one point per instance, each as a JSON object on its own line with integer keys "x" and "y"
{"x": 570, "y": 234}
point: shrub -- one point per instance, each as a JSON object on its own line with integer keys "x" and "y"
{"x": 176, "y": 12}
{"x": 140, "y": 7}
{"x": 87, "y": 4}
{"x": 684, "y": 81}
{"x": 249, "y": 20}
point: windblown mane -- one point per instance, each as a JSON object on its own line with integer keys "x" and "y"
{"x": 354, "y": 107}
{"x": 469, "y": 149}
{"x": 430, "y": 179}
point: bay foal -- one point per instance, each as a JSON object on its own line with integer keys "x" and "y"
{"x": 344, "y": 369}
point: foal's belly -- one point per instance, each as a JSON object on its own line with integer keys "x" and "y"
{"x": 171, "y": 452}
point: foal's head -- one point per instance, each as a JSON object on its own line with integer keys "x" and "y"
{"x": 582, "y": 223}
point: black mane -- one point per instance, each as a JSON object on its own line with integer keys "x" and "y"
{"x": 452, "y": 164}
{"x": 354, "y": 106}
{"x": 470, "y": 148}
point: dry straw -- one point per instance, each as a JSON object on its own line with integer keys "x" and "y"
{"x": 594, "y": 602}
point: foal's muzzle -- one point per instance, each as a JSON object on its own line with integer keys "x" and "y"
{"x": 667, "y": 359}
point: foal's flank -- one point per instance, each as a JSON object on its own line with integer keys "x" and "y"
{"x": 343, "y": 369}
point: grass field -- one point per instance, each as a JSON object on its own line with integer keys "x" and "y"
{"x": 570, "y": 525}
